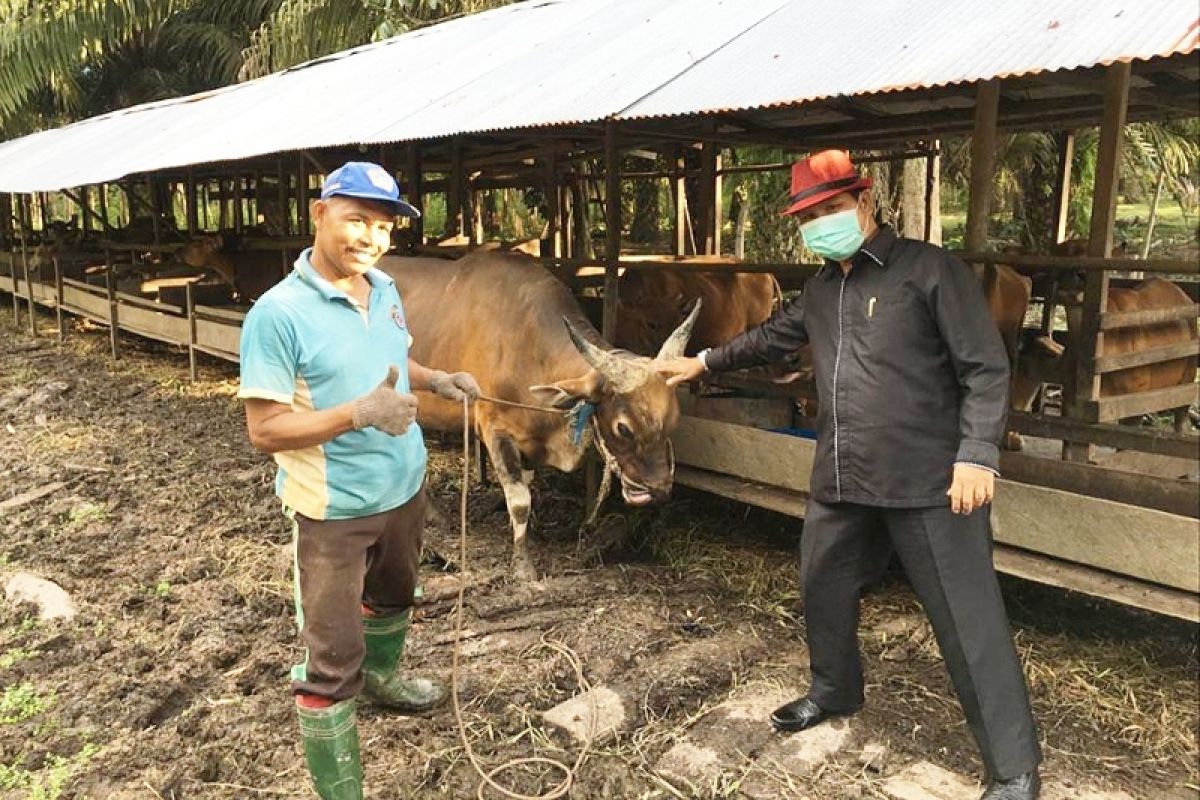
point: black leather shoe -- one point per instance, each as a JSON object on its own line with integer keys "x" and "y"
{"x": 802, "y": 714}
{"x": 1023, "y": 787}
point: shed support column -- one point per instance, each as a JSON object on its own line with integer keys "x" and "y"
{"x": 26, "y": 225}
{"x": 455, "y": 194}
{"x": 612, "y": 227}
{"x": 416, "y": 191}
{"x": 85, "y": 210}
{"x": 1089, "y": 340}
{"x": 983, "y": 163}
{"x": 111, "y": 293}
{"x": 550, "y": 246}
{"x": 1062, "y": 184}
{"x": 189, "y": 203}
{"x": 302, "y": 199}
{"x": 679, "y": 201}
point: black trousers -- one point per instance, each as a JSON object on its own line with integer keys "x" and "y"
{"x": 948, "y": 559}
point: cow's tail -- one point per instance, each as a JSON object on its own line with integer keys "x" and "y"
{"x": 776, "y": 292}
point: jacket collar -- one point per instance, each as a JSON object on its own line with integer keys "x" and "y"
{"x": 876, "y": 251}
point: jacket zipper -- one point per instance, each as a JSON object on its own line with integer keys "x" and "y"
{"x": 837, "y": 363}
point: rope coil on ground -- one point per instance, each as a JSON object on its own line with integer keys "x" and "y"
{"x": 489, "y": 776}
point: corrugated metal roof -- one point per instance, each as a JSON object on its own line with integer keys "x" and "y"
{"x": 547, "y": 62}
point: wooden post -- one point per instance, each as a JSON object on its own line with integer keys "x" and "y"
{"x": 238, "y": 219}
{"x": 1162, "y": 177}
{"x": 1062, "y": 184}
{"x": 189, "y": 204}
{"x": 155, "y": 209}
{"x": 85, "y": 213}
{"x": 931, "y": 166}
{"x": 455, "y": 199}
{"x": 190, "y": 308}
{"x": 28, "y": 280}
{"x": 679, "y": 199}
{"x": 983, "y": 164}
{"x": 612, "y": 227}
{"x": 1090, "y": 339}
{"x": 302, "y": 200}
{"x": 416, "y": 191}
{"x": 111, "y": 292}
{"x": 102, "y": 201}
{"x": 58, "y": 298}
{"x": 705, "y": 234}
{"x": 550, "y": 247}
{"x": 6, "y": 222}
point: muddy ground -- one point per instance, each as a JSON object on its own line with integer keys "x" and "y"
{"x": 172, "y": 680}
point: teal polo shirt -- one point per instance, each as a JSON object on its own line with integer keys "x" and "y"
{"x": 311, "y": 346}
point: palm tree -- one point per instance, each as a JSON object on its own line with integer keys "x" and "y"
{"x": 67, "y": 59}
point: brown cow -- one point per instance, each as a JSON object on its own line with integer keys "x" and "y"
{"x": 652, "y": 301}
{"x": 250, "y": 273}
{"x": 500, "y": 316}
{"x": 1153, "y": 293}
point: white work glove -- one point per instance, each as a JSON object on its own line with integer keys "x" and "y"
{"x": 384, "y": 408}
{"x": 453, "y": 386}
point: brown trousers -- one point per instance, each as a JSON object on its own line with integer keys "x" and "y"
{"x": 341, "y": 566}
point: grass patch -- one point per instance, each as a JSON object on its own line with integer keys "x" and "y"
{"x": 21, "y": 702}
{"x": 49, "y": 782}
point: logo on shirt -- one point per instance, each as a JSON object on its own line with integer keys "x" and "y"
{"x": 398, "y": 318}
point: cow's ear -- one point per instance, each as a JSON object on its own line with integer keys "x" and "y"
{"x": 565, "y": 394}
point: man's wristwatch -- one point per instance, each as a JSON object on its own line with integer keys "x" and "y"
{"x": 703, "y": 356}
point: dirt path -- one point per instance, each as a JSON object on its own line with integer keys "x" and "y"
{"x": 172, "y": 680}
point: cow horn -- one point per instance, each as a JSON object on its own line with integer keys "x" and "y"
{"x": 622, "y": 375}
{"x": 676, "y": 343}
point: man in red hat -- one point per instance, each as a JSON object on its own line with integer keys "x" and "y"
{"x": 912, "y": 380}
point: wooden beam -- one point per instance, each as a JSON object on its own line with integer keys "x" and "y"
{"x": 189, "y": 202}
{"x": 612, "y": 227}
{"x": 983, "y": 162}
{"x": 1108, "y": 409}
{"x": 1096, "y": 583}
{"x": 1087, "y": 263}
{"x": 1085, "y": 389}
{"x": 1174, "y": 496}
{"x": 705, "y": 220}
{"x": 1115, "y": 320}
{"x": 551, "y": 192}
{"x": 1062, "y": 184}
{"x": 679, "y": 202}
{"x": 456, "y": 191}
{"x": 1122, "y": 437}
{"x": 416, "y": 189}
{"x": 1151, "y": 355}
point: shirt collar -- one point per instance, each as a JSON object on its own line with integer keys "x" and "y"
{"x": 308, "y": 273}
{"x": 876, "y": 252}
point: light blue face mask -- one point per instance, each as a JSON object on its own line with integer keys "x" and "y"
{"x": 834, "y": 236}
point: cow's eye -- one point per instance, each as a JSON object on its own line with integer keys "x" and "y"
{"x": 624, "y": 431}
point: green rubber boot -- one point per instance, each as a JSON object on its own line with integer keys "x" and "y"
{"x": 384, "y": 637}
{"x": 331, "y": 749}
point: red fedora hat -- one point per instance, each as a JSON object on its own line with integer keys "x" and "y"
{"x": 820, "y": 177}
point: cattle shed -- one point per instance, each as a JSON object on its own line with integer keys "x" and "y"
{"x": 537, "y": 94}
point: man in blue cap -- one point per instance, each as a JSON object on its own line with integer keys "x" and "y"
{"x": 327, "y": 382}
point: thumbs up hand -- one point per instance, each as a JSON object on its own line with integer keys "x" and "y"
{"x": 384, "y": 408}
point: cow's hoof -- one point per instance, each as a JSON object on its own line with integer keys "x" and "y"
{"x": 524, "y": 571}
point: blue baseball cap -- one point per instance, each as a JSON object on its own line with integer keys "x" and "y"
{"x": 367, "y": 181}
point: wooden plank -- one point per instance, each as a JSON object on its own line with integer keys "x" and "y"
{"x": 1139, "y": 542}
{"x": 221, "y": 314}
{"x": 1177, "y": 266}
{"x": 1108, "y": 409}
{"x": 1151, "y": 355}
{"x": 1115, "y": 320}
{"x": 1097, "y": 583}
{"x": 782, "y": 501}
{"x": 1172, "y": 495}
{"x": 1146, "y": 440}
{"x": 154, "y": 324}
{"x": 87, "y": 303}
{"x": 221, "y": 337}
{"x": 773, "y": 459}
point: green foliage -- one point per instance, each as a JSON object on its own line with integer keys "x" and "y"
{"x": 20, "y": 702}
{"x": 302, "y": 30}
{"x": 49, "y": 782}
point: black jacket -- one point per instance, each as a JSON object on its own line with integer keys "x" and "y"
{"x": 911, "y": 373}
